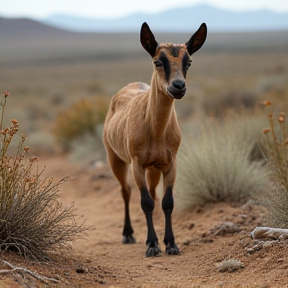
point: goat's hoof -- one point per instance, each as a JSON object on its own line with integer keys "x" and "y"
{"x": 153, "y": 251}
{"x": 172, "y": 250}
{"x": 128, "y": 239}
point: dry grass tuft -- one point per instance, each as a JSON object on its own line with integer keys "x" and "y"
{"x": 224, "y": 164}
{"x": 32, "y": 220}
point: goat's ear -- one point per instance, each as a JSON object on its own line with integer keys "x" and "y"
{"x": 197, "y": 40}
{"x": 148, "y": 40}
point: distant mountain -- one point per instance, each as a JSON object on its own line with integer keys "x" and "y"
{"x": 178, "y": 20}
{"x": 25, "y": 29}
{"x": 28, "y": 42}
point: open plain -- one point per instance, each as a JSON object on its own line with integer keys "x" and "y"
{"x": 46, "y": 70}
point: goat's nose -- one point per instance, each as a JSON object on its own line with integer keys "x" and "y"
{"x": 178, "y": 84}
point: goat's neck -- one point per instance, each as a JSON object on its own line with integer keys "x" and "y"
{"x": 159, "y": 109}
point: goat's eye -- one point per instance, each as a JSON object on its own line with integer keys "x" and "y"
{"x": 158, "y": 63}
{"x": 189, "y": 64}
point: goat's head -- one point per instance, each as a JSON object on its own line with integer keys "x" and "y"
{"x": 171, "y": 61}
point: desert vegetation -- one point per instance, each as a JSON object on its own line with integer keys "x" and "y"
{"x": 81, "y": 118}
{"x": 33, "y": 222}
{"x": 238, "y": 156}
{"x": 233, "y": 149}
{"x": 276, "y": 151}
{"x": 225, "y": 163}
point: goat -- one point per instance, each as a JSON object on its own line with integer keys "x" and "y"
{"x": 141, "y": 129}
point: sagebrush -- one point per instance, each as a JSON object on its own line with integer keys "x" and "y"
{"x": 224, "y": 164}
{"x": 32, "y": 220}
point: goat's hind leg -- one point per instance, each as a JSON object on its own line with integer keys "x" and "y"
{"x": 120, "y": 169}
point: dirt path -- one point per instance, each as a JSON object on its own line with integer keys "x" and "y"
{"x": 108, "y": 263}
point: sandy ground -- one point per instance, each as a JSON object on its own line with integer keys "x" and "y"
{"x": 100, "y": 260}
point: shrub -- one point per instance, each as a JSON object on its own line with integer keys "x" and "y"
{"x": 229, "y": 100}
{"x": 32, "y": 220}
{"x": 223, "y": 164}
{"x": 277, "y": 157}
{"x": 80, "y": 119}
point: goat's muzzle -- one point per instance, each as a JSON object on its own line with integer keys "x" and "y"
{"x": 177, "y": 90}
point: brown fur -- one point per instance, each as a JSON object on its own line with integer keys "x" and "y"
{"x": 141, "y": 129}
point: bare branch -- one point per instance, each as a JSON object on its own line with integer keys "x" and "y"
{"x": 25, "y": 270}
{"x": 269, "y": 233}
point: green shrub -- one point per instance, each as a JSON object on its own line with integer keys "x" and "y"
{"x": 224, "y": 164}
{"x": 80, "y": 119}
{"x": 32, "y": 220}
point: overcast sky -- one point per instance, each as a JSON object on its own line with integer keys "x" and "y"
{"x": 117, "y": 8}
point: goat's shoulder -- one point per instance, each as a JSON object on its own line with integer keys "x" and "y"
{"x": 137, "y": 87}
{"x": 131, "y": 91}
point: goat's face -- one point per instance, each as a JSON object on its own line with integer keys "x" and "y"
{"x": 171, "y": 61}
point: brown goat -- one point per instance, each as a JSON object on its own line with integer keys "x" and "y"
{"x": 141, "y": 129}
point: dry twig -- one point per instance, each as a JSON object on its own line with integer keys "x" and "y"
{"x": 25, "y": 270}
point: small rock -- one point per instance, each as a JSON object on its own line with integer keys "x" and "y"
{"x": 19, "y": 279}
{"x": 256, "y": 247}
{"x": 225, "y": 228}
{"x": 230, "y": 265}
{"x": 244, "y": 242}
{"x": 283, "y": 237}
{"x": 206, "y": 240}
{"x": 280, "y": 260}
{"x": 101, "y": 281}
{"x": 269, "y": 243}
{"x": 57, "y": 277}
{"x": 250, "y": 250}
{"x": 191, "y": 226}
{"x": 81, "y": 270}
{"x": 187, "y": 242}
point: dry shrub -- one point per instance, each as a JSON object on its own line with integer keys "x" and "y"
{"x": 277, "y": 157}
{"x": 32, "y": 220}
{"x": 229, "y": 99}
{"x": 80, "y": 119}
{"x": 86, "y": 151}
{"x": 224, "y": 164}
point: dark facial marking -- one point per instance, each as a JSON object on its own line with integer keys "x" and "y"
{"x": 174, "y": 50}
{"x": 166, "y": 65}
{"x": 185, "y": 61}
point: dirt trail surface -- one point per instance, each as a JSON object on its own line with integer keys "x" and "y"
{"x": 205, "y": 237}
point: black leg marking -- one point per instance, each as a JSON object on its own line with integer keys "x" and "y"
{"x": 167, "y": 206}
{"x": 147, "y": 205}
{"x": 127, "y": 230}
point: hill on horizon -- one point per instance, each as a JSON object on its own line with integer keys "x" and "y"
{"x": 27, "y": 41}
{"x": 178, "y": 20}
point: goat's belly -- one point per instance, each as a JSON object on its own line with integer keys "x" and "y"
{"x": 161, "y": 161}
{"x": 117, "y": 140}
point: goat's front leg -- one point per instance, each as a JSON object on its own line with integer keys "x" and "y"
{"x": 167, "y": 206}
{"x": 147, "y": 205}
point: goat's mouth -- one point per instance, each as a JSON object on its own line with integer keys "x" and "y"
{"x": 176, "y": 93}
